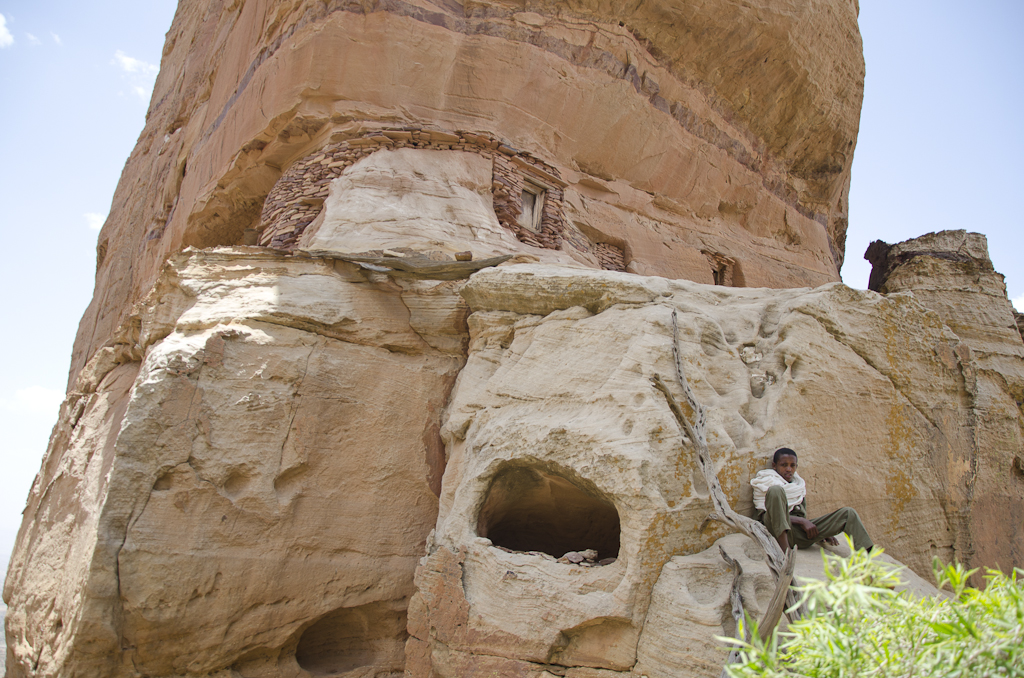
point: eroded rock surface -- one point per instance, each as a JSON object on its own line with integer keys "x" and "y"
{"x": 262, "y": 450}
{"x": 272, "y": 462}
{"x": 880, "y": 399}
{"x": 688, "y": 602}
{"x": 950, "y": 273}
{"x": 249, "y": 482}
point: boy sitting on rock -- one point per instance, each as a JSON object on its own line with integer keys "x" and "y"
{"x": 780, "y": 497}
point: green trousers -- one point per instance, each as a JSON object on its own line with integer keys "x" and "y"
{"x": 776, "y": 518}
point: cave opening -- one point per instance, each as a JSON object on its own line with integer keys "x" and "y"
{"x": 534, "y": 509}
{"x": 353, "y": 638}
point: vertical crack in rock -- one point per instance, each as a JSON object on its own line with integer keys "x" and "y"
{"x": 296, "y": 404}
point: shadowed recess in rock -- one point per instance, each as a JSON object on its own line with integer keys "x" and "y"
{"x": 529, "y": 509}
{"x": 350, "y": 638}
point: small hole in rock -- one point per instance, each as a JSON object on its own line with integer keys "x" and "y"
{"x": 350, "y": 638}
{"x": 236, "y": 484}
{"x": 533, "y": 509}
{"x": 163, "y": 483}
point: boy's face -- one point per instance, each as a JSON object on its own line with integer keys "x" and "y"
{"x": 785, "y": 467}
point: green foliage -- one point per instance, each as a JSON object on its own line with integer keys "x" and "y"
{"x": 859, "y": 627}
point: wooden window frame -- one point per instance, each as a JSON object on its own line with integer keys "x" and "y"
{"x": 533, "y": 219}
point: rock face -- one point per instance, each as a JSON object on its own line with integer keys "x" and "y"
{"x": 262, "y": 451}
{"x": 555, "y": 410}
{"x": 950, "y": 273}
{"x": 687, "y": 604}
{"x": 700, "y": 141}
{"x": 175, "y": 527}
{"x": 298, "y": 442}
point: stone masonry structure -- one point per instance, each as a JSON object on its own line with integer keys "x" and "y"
{"x": 296, "y": 199}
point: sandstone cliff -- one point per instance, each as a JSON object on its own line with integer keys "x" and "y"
{"x": 950, "y": 273}
{"x": 691, "y": 138}
{"x": 300, "y": 440}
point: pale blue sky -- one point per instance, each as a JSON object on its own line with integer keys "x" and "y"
{"x": 940, "y": 147}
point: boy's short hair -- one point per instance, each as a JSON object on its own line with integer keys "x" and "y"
{"x": 782, "y": 452}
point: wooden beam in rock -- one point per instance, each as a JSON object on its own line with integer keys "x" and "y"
{"x": 414, "y": 267}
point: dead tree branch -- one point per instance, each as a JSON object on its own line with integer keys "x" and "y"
{"x": 736, "y": 602}
{"x": 776, "y": 606}
{"x": 696, "y": 433}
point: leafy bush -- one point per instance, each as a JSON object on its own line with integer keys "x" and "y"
{"x": 859, "y": 626}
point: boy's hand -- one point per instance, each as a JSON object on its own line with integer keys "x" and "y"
{"x": 810, "y": 528}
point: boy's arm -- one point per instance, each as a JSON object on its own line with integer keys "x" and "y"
{"x": 798, "y": 516}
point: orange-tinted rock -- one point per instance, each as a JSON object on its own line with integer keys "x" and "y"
{"x": 950, "y": 273}
{"x": 680, "y": 130}
{"x": 261, "y": 445}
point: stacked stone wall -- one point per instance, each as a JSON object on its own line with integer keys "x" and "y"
{"x": 298, "y": 196}
{"x": 612, "y": 258}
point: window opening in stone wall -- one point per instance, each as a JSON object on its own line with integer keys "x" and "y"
{"x": 533, "y": 206}
{"x": 532, "y": 509}
{"x": 722, "y": 268}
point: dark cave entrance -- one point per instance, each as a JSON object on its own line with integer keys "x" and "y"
{"x": 534, "y": 509}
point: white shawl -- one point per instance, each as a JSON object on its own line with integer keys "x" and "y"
{"x": 795, "y": 491}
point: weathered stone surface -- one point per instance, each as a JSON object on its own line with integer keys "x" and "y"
{"x": 255, "y": 447}
{"x": 680, "y": 129}
{"x": 261, "y": 449}
{"x": 555, "y": 410}
{"x": 950, "y": 273}
{"x": 220, "y": 500}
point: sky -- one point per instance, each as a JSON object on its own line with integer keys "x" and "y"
{"x": 940, "y": 147}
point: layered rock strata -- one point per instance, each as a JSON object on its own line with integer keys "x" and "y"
{"x": 681, "y": 132}
{"x": 309, "y": 458}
